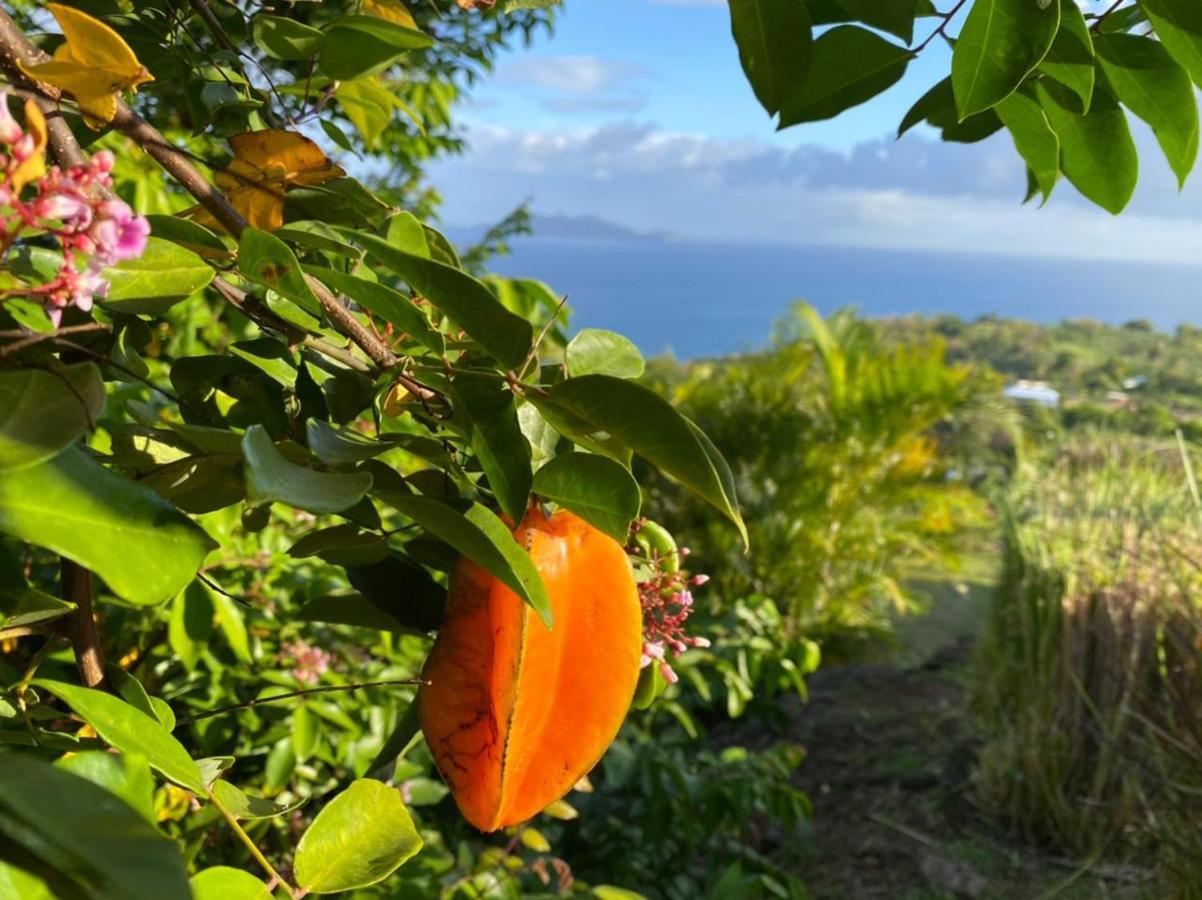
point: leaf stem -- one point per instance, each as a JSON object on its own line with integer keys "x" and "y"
{"x": 262, "y": 860}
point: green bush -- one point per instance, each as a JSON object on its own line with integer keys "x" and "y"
{"x": 852, "y": 453}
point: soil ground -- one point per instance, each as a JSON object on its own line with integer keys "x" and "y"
{"x": 891, "y": 748}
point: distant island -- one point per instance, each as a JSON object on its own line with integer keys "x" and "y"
{"x": 571, "y": 228}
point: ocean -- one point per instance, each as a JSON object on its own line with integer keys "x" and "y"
{"x": 697, "y": 300}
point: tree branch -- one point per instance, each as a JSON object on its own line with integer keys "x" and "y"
{"x": 81, "y": 628}
{"x": 15, "y": 47}
{"x": 17, "y": 50}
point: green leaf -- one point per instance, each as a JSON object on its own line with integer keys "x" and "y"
{"x": 191, "y": 625}
{"x": 402, "y": 737}
{"x": 360, "y": 838}
{"x": 306, "y": 732}
{"x": 543, "y": 439}
{"x": 144, "y": 549}
{"x": 849, "y": 66}
{"x": 224, "y": 883}
{"x": 123, "y": 774}
{"x": 1001, "y": 43}
{"x": 369, "y": 106}
{"x": 404, "y": 592}
{"x": 272, "y": 478}
{"x": 473, "y": 307}
{"x": 337, "y": 448}
{"x": 88, "y": 836}
{"x": 1149, "y": 83}
{"x": 1071, "y": 57}
{"x": 1097, "y": 153}
{"x": 341, "y": 545}
{"x": 239, "y": 805}
{"x": 497, "y": 439}
{"x": 44, "y": 411}
{"x": 477, "y": 533}
{"x": 21, "y": 604}
{"x": 938, "y": 107}
{"x": 596, "y": 352}
{"x": 599, "y": 490}
{"x": 351, "y": 609}
{"x": 129, "y": 689}
{"x": 189, "y": 235}
{"x": 894, "y": 16}
{"x": 648, "y": 424}
{"x": 22, "y": 885}
{"x": 269, "y": 356}
{"x": 266, "y": 260}
{"x": 774, "y": 41}
{"x": 317, "y": 236}
{"x": 232, "y": 625}
{"x": 1178, "y": 25}
{"x": 380, "y": 300}
{"x": 1033, "y": 138}
{"x": 609, "y": 892}
{"x": 130, "y": 731}
{"x": 286, "y": 39}
{"x": 355, "y": 46}
{"x": 163, "y": 276}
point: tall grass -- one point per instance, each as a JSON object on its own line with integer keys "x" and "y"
{"x": 1091, "y": 670}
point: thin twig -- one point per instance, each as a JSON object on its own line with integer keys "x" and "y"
{"x": 942, "y": 29}
{"x": 292, "y": 695}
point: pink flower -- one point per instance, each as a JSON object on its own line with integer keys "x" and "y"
{"x": 10, "y": 130}
{"x": 118, "y": 233}
{"x": 309, "y": 663}
{"x": 67, "y": 207}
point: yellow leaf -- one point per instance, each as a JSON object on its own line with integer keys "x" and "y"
{"x": 561, "y": 809}
{"x": 34, "y": 165}
{"x": 265, "y": 165}
{"x": 396, "y": 401}
{"x": 535, "y": 840}
{"x": 392, "y": 10}
{"x": 94, "y": 65}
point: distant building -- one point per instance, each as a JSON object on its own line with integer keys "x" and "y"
{"x": 1134, "y": 384}
{"x": 1119, "y": 400}
{"x": 1034, "y": 392}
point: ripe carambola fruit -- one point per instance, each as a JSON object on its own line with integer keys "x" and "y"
{"x": 515, "y": 714}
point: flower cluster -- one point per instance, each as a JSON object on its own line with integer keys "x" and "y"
{"x": 667, "y": 600}
{"x": 74, "y": 207}
{"x": 308, "y": 663}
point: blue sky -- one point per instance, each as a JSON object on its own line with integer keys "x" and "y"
{"x": 637, "y": 111}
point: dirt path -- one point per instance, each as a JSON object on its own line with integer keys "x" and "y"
{"x": 890, "y": 758}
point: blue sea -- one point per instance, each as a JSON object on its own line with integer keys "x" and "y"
{"x": 699, "y": 300}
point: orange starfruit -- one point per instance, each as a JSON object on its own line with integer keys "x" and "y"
{"x": 515, "y": 713}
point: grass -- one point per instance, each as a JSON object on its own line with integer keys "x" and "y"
{"x": 1090, "y": 677}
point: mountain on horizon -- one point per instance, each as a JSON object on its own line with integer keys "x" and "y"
{"x": 579, "y": 228}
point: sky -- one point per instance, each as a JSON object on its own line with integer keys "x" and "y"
{"x": 637, "y": 111}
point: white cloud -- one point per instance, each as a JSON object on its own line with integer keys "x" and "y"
{"x": 915, "y": 194}
{"x": 572, "y": 74}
